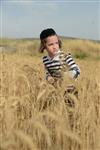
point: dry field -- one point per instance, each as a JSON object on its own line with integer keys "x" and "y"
{"x": 34, "y": 115}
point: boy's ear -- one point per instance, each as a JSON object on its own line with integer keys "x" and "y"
{"x": 42, "y": 46}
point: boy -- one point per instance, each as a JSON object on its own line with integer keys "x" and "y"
{"x": 56, "y": 62}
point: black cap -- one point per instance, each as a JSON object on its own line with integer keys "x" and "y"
{"x": 47, "y": 32}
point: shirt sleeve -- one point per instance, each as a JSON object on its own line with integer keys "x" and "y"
{"x": 73, "y": 67}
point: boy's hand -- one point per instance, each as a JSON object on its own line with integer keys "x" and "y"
{"x": 74, "y": 73}
{"x": 50, "y": 79}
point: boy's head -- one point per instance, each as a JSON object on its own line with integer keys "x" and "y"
{"x": 44, "y": 35}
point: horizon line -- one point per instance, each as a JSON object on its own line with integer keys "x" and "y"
{"x": 61, "y": 36}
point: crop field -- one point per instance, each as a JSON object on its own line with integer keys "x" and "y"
{"x": 33, "y": 113}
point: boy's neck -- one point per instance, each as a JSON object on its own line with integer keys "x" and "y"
{"x": 53, "y": 56}
{"x": 57, "y": 53}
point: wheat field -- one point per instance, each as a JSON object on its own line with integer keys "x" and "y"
{"x": 33, "y": 113}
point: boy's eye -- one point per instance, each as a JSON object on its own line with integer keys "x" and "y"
{"x": 53, "y": 44}
{"x": 57, "y": 43}
{"x": 50, "y": 44}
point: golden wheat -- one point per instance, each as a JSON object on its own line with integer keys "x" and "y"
{"x": 34, "y": 115}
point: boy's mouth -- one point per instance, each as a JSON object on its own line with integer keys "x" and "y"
{"x": 57, "y": 52}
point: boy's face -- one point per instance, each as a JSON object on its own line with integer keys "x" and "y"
{"x": 52, "y": 45}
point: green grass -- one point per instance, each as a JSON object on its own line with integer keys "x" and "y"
{"x": 81, "y": 55}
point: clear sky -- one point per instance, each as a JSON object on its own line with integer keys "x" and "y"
{"x": 72, "y": 18}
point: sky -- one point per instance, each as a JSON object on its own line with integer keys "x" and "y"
{"x": 70, "y": 18}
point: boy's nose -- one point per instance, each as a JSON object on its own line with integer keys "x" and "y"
{"x": 55, "y": 47}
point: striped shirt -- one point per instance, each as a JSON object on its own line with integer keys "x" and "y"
{"x": 59, "y": 64}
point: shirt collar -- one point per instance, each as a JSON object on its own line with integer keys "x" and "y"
{"x": 56, "y": 57}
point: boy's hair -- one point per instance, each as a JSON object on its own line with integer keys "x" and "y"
{"x": 44, "y": 34}
{"x": 47, "y": 32}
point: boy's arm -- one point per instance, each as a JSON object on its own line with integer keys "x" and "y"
{"x": 73, "y": 67}
{"x": 47, "y": 74}
{"x": 49, "y": 78}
